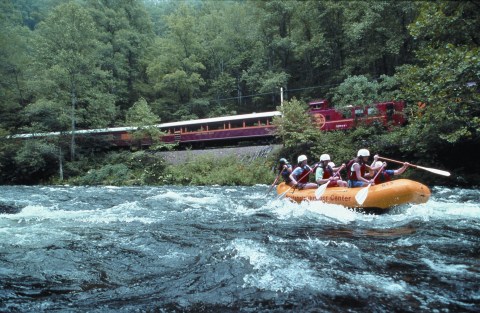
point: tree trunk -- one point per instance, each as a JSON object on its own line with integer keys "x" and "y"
{"x": 60, "y": 163}
{"x": 74, "y": 103}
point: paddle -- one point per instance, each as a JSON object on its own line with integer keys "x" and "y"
{"x": 284, "y": 193}
{"x": 431, "y": 170}
{"x": 273, "y": 184}
{"x": 361, "y": 196}
{"x": 321, "y": 190}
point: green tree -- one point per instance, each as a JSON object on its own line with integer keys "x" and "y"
{"x": 68, "y": 68}
{"x": 141, "y": 116}
{"x": 445, "y": 78}
{"x": 126, "y": 32}
{"x": 14, "y": 62}
{"x": 228, "y": 36}
{"x": 175, "y": 68}
{"x": 359, "y": 91}
{"x": 375, "y": 36}
{"x": 295, "y": 126}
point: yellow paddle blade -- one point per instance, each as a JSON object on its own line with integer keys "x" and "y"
{"x": 321, "y": 190}
{"x": 362, "y": 195}
{"x": 283, "y": 194}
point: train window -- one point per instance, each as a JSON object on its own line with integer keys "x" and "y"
{"x": 359, "y": 112}
{"x": 249, "y": 123}
{"x": 390, "y": 111}
{"x": 346, "y": 112}
{"x": 236, "y": 124}
{"x": 372, "y": 111}
{"x": 215, "y": 126}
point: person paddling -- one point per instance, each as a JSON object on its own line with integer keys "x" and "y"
{"x": 356, "y": 170}
{"x": 325, "y": 173}
{"x": 285, "y": 169}
{"x": 300, "y": 175}
{"x": 386, "y": 175}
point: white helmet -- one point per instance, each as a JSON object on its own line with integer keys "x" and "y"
{"x": 363, "y": 153}
{"x": 377, "y": 163}
{"x": 302, "y": 158}
{"x": 325, "y": 157}
{"x": 331, "y": 164}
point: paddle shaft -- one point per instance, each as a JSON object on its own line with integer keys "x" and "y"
{"x": 431, "y": 170}
{"x": 361, "y": 196}
{"x": 395, "y": 161}
{"x": 335, "y": 174}
{"x": 284, "y": 193}
{"x": 275, "y": 181}
{"x": 320, "y": 190}
{"x": 379, "y": 171}
{"x": 339, "y": 169}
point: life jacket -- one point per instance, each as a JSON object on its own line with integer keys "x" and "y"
{"x": 327, "y": 171}
{"x": 383, "y": 177}
{"x": 286, "y": 173}
{"x": 304, "y": 175}
{"x": 352, "y": 175}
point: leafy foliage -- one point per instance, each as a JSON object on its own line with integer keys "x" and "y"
{"x": 446, "y": 79}
{"x": 84, "y": 64}
{"x": 295, "y": 127}
{"x": 211, "y": 170}
{"x": 126, "y": 168}
{"x": 34, "y": 161}
{"x": 141, "y": 116}
{"x": 359, "y": 91}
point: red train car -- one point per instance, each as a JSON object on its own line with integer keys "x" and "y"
{"x": 327, "y": 118}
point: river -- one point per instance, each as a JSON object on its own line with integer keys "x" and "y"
{"x": 233, "y": 249}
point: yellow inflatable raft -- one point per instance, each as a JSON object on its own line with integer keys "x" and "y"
{"x": 381, "y": 196}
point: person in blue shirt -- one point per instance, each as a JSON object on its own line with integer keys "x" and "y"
{"x": 386, "y": 175}
{"x": 300, "y": 175}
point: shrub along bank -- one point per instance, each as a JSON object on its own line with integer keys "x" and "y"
{"x": 147, "y": 168}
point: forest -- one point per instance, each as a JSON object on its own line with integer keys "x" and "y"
{"x": 79, "y": 64}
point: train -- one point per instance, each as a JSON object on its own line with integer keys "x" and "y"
{"x": 246, "y": 127}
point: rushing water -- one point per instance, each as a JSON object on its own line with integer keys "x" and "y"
{"x": 224, "y": 249}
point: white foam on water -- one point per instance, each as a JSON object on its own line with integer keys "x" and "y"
{"x": 274, "y": 272}
{"x": 124, "y": 212}
{"x": 187, "y": 198}
{"x": 315, "y": 243}
{"x": 376, "y": 282}
{"x": 285, "y": 209}
{"x": 436, "y": 210}
{"x": 127, "y": 212}
{"x": 446, "y": 268}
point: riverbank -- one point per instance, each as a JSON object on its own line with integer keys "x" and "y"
{"x": 234, "y": 166}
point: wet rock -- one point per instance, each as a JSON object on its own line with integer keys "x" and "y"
{"x": 9, "y": 208}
